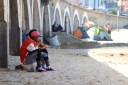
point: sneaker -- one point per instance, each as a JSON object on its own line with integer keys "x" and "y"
{"x": 19, "y": 67}
{"x": 40, "y": 69}
{"x": 49, "y": 68}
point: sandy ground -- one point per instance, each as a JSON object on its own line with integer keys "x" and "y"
{"x": 119, "y": 35}
{"x": 105, "y": 66}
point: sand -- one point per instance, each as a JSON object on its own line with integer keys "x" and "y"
{"x": 104, "y": 66}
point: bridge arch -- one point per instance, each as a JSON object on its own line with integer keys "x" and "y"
{"x": 67, "y": 21}
{"x": 76, "y": 20}
{"x": 84, "y": 18}
{"x": 57, "y": 9}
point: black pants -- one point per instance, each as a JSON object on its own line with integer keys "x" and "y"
{"x": 37, "y": 55}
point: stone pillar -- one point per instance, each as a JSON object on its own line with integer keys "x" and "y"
{"x": 1, "y": 11}
{"x": 3, "y": 37}
{"x": 14, "y": 29}
{"x": 26, "y": 18}
{"x": 36, "y": 18}
{"x": 45, "y": 22}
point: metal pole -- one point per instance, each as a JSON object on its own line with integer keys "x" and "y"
{"x": 121, "y": 6}
{"x": 98, "y": 4}
{"x": 94, "y": 4}
{"x": 117, "y": 19}
{"x": 85, "y": 3}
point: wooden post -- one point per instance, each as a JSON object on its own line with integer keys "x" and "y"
{"x": 3, "y": 38}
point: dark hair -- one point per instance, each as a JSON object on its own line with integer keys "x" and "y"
{"x": 31, "y": 32}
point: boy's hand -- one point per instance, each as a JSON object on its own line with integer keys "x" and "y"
{"x": 43, "y": 46}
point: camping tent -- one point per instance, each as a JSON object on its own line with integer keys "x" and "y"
{"x": 89, "y": 24}
{"x": 92, "y": 31}
{"x": 80, "y": 33}
{"x": 98, "y": 33}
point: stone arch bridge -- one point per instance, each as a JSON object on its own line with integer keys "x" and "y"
{"x": 22, "y": 15}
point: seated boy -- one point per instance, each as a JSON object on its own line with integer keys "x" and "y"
{"x": 32, "y": 50}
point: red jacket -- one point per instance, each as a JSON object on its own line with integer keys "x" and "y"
{"x": 24, "y": 51}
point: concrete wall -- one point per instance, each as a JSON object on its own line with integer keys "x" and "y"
{"x": 59, "y": 9}
{"x": 101, "y": 19}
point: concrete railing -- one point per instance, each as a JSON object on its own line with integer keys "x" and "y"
{"x": 97, "y": 17}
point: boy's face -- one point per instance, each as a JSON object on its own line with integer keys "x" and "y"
{"x": 37, "y": 39}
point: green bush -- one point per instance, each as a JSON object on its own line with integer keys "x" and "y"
{"x": 113, "y": 10}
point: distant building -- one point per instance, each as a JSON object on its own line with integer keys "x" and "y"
{"x": 110, "y": 5}
{"x": 123, "y": 4}
{"x": 93, "y": 4}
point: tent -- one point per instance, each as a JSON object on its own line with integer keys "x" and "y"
{"x": 80, "y": 33}
{"x": 89, "y": 24}
{"x": 77, "y": 33}
{"x": 92, "y": 31}
{"x": 98, "y": 33}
